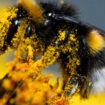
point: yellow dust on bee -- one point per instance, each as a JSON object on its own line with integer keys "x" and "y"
{"x": 6, "y": 15}
{"x": 33, "y": 87}
{"x": 95, "y": 41}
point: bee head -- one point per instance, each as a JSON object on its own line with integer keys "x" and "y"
{"x": 55, "y": 14}
{"x": 50, "y": 18}
{"x": 54, "y": 20}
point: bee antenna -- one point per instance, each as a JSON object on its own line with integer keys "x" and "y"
{"x": 33, "y": 8}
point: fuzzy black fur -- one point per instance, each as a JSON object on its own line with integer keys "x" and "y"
{"x": 65, "y": 9}
{"x": 60, "y": 21}
{"x": 88, "y": 61}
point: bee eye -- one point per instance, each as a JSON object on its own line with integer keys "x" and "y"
{"x": 50, "y": 19}
{"x": 46, "y": 22}
{"x": 17, "y": 22}
{"x": 28, "y": 31}
{"x": 51, "y": 14}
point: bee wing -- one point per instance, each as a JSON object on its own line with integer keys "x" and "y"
{"x": 81, "y": 23}
{"x": 102, "y": 32}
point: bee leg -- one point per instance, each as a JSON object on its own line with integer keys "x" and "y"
{"x": 49, "y": 57}
{"x": 85, "y": 87}
{"x": 72, "y": 86}
{"x": 78, "y": 83}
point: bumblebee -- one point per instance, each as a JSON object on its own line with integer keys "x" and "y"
{"x": 58, "y": 35}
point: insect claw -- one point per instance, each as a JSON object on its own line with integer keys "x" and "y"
{"x": 72, "y": 86}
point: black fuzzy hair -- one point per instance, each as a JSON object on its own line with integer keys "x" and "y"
{"x": 66, "y": 9}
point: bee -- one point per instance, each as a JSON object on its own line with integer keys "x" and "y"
{"x": 60, "y": 36}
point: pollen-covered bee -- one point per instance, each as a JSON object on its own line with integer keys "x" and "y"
{"x": 58, "y": 35}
